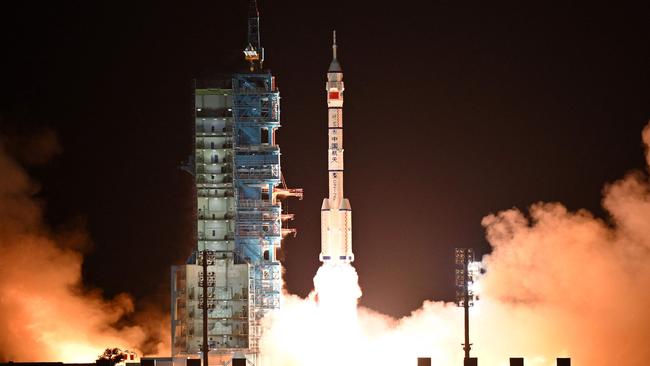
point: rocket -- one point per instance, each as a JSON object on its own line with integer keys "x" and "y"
{"x": 336, "y": 212}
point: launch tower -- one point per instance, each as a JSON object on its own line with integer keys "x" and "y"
{"x": 239, "y": 184}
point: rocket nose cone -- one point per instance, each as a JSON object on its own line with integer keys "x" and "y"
{"x": 335, "y": 66}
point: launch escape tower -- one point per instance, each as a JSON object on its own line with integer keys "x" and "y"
{"x": 239, "y": 216}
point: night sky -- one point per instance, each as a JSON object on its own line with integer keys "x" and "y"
{"x": 454, "y": 110}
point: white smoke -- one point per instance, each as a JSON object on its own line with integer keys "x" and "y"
{"x": 558, "y": 284}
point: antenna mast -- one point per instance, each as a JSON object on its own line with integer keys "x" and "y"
{"x": 254, "y": 52}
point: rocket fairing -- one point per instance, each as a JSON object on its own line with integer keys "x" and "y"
{"x": 336, "y": 212}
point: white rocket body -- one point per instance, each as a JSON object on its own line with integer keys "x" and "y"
{"x": 336, "y": 212}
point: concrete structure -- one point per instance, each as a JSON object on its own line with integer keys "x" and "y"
{"x": 161, "y": 361}
{"x": 336, "y": 212}
{"x": 239, "y": 215}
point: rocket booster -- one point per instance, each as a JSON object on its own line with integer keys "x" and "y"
{"x": 336, "y": 212}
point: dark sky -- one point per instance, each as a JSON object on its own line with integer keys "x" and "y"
{"x": 453, "y": 110}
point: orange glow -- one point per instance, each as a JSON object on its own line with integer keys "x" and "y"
{"x": 47, "y": 314}
{"x": 558, "y": 283}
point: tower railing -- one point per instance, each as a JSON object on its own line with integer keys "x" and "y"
{"x": 258, "y": 230}
{"x": 249, "y": 203}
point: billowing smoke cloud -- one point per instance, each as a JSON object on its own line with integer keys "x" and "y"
{"x": 557, "y": 284}
{"x": 45, "y": 313}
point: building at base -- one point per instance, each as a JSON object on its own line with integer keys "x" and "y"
{"x": 239, "y": 187}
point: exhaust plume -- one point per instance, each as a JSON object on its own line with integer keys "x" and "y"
{"x": 46, "y": 313}
{"x": 557, "y": 284}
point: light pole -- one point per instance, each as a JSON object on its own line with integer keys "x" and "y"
{"x": 465, "y": 297}
{"x": 204, "y": 286}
